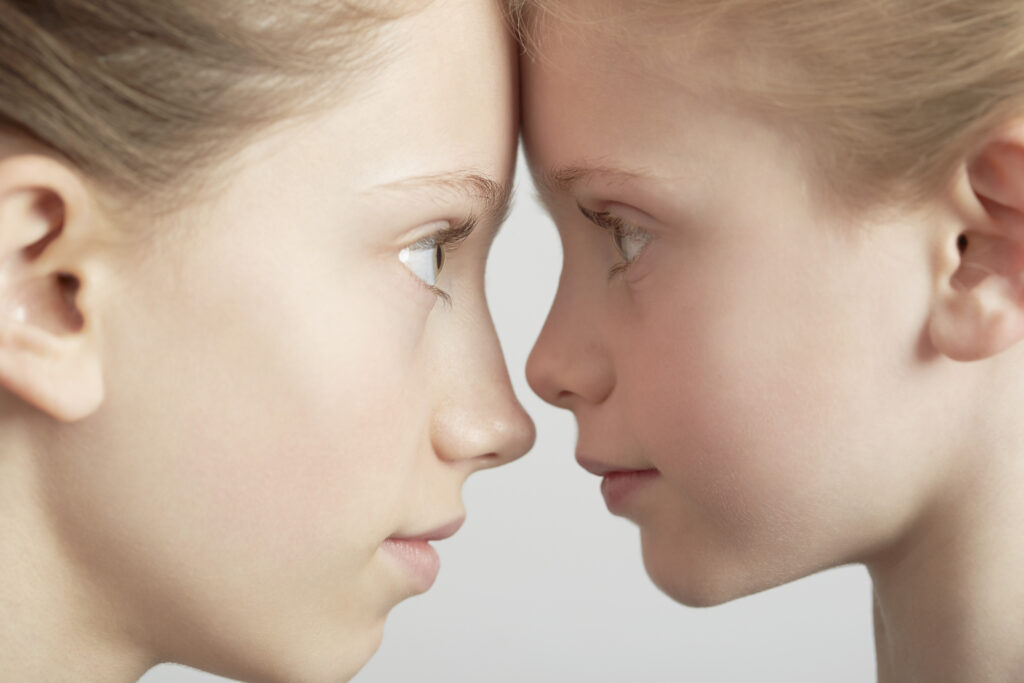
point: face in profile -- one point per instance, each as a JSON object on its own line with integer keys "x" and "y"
{"x": 739, "y": 356}
{"x": 299, "y": 375}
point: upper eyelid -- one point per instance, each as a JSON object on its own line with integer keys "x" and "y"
{"x": 602, "y": 219}
{"x": 450, "y": 237}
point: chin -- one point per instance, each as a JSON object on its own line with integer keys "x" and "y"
{"x": 320, "y": 659}
{"x": 341, "y": 662}
{"x": 692, "y": 592}
{"x": 701, "y": 578}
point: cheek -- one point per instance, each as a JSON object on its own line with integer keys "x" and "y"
{"x": 249, "y": 432}
{"x": 698, "y": 399}
{"x": 289, "y": 410}
{"x": 296, "y": 446}
{"x": 757, "y": 401}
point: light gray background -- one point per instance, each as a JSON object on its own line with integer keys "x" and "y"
{"x": 542, "y": 584}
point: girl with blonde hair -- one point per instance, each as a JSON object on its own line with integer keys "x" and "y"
{"x": 791, "y": 311}
{"x": 246, "y": 362}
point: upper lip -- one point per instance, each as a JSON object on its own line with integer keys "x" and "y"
{"x": 435, "y": 534}
{"x": 603, "y": 469}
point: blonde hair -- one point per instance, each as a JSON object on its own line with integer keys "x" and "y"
{"x": 142, "y": 95}
{"x": 890, "y": 94}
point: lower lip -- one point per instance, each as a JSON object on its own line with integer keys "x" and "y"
{"x": 419, "y": 559}
{"x": 619, "y": 488}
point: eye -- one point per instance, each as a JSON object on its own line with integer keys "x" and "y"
{"x": 425, "y": 259}
{"x": 629, "y": 240}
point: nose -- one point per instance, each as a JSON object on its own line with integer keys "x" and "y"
{"x": 569, "y": 363}
{"x": 480, "y": 420}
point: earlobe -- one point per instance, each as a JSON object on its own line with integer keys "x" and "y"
{"x": 48, "y": 372}
{"x": 48, "y": 352}
{"x": 979, "y": 310}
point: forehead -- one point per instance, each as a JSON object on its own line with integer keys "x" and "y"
{"x": 591, "y": 103}
{"x": 442, "y": 101}
{"x": 606, "y": 121}
{"x": 430, "y": 136}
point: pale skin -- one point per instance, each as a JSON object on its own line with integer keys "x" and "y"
{"x": 793, "y": 386}
{"x": 212, "y": 422}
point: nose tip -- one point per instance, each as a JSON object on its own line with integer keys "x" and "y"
{"x": 516, "y": 434}
{"x": 485, "y": 433}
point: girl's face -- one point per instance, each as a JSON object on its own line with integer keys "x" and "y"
{"x": 287, "y": 390}
{"x": 745, "y": 365}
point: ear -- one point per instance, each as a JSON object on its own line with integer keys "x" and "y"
{"x": 979, "y": 311}
{"x": 48, "y": 354}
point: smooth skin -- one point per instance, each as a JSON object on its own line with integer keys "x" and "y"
{"x": 789, "y": 377}
{"x": 213, "y": 420}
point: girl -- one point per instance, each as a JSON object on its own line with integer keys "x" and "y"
{"x": 245, "y": 359}
{"x": 790, "y": 315}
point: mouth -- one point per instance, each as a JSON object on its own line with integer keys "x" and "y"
{"x": 623, "y": 487}
{"x": 417, "y": 557}
{"x": 619, "y": 486}
{"x": 437, "y": 534}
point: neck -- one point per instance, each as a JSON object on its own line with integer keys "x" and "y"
{"x": 949, "y": 598}
{"x": 54, "y": 628}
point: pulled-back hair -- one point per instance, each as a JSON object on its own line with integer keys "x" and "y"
{"x": 142, "y": 95}
{"x": 888, "y": 94}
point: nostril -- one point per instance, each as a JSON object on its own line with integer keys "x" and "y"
{"x": 494, "y": 459}
{"x": 563, "y": 398}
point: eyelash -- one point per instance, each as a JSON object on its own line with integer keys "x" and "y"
{"x": 449, "y": 239}
{"x": 619, "y": 229}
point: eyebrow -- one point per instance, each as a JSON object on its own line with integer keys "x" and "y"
{"x": 493, "y": 198}
{"x": 565, "y": 179}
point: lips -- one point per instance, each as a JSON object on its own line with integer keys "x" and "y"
{"x": 438, "y": 534}
{"x": 417, "y": 557}
{"x": 620, "y": 486}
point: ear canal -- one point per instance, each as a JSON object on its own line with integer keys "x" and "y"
{"x": 48, "y": 304}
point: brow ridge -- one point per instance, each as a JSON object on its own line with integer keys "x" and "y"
{"x": 494, "y": 198}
